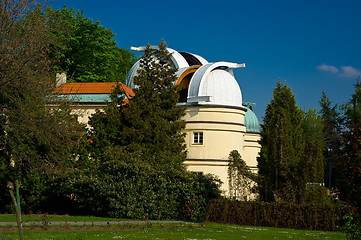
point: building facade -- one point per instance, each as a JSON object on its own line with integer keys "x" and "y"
{"x": 217, "y": 121}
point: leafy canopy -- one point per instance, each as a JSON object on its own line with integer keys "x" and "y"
{"x": 33, "y": 138}
{"x": 85, "y": 49}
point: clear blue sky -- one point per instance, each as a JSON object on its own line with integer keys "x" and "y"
{"x": 313, "y": 45}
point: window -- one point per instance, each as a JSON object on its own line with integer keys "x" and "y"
{"x": 198, "y": 138}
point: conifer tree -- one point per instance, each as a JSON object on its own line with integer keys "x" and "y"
{"x": 332, "y": 123}
{"x": 313, "y": 158}
{"x": 280, "y": 163}
{"x": 314, "y": 145}
{"x": 350, "y": 189}
{"x": 151, "y": 122}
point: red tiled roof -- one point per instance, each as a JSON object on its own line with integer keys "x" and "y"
{"x": 91, "y": 88}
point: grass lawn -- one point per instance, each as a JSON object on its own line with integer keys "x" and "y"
{"x": 53, "y": 218}
{"x": 195, "y": 231}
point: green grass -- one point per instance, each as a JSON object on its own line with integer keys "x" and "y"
{"x": 203, "y": 231}
{"x": 53, "y": 218}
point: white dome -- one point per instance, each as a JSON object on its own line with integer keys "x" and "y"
{"x": 181, "y": 60}
{"x": 215, "y": 86}
{"x": 223, "y": 88}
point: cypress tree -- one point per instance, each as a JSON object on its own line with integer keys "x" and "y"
{"x": 280, "y": 162}
{"x": 314, "y": 159}
{"x": 350, "y": 189}
{"x": 151, "y": 123}
{"x": 332, "y": 123}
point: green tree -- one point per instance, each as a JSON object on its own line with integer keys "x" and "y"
{"x": 241, "y": 180}
{"x": 280, "y": 164}
{"x": 313, "y": 158}
{"x": 349, "y": 187}
{"x": 151, "y": 122}
{"x": 33, "y": 138}
{"x": 332, "y": 135}
{"x": 85, "y": 49}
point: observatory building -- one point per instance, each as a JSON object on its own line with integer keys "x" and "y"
{"x": 217, "y": 121}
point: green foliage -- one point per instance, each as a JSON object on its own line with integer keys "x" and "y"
{"x": 314, "y": 145}
{"x": 33, "y": 138}
{"x": 137, "y": 150}
{"x": 315, "y": 191}
{"x": 122, "y": 185}
{"x": 280, "y": 164}
{"x": 351, "y": 226}
{"x": 350, "y": 188}
{"x": 281, "y": 215}
{"x": 291, "y": 162}
{"x": 332, "y": 122}
{"x": 85, "y": 49}
{"x": 241, "y": 180}
{"x": 151, "y": 122}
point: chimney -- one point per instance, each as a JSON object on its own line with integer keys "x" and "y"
{"x": 60, "y": 79}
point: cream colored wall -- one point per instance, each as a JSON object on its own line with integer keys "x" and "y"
{"x": 252, "y": 147}
{"x": 84, "y": 111}
{"x": 218, "y": 169}
{"x": 223, "y": 131}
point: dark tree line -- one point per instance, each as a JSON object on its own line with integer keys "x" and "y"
{"x": 295, "y": 162}
{"x": 291, "y": 160}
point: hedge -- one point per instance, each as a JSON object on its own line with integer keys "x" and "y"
{"x": 282, "y": 215}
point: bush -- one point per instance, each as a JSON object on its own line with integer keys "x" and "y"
{"x": 122, "y": 185}
{"x": 351, "y": 227}
{"x": 283, "y": 215}
{"x": 134, "y": 191}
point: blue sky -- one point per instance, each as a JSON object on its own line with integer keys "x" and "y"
{"x": 313, "y": 45}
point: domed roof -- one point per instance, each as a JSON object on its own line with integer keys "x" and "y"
{"x": 251, "y": 122}
{"x": 213, "y": 85}
{"x": 202, "y": 82}
{"x": 181, "y": 60}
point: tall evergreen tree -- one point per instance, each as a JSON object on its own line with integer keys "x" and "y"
{"x": 313, "y": 158}
{"x": 151, "y": 122}
{"x": 314, "y": 145}
{"x": 332, "y": 123}
{"x": 280, "y": 164}
{"x": 350, "y": 188}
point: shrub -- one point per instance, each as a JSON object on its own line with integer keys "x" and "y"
{"x": 351, "y": 226}
{"x": 284, "y": 215}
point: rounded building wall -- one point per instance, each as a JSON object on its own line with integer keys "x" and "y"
{"x": 212, "y": 132}
{"x": 251, "y": 149}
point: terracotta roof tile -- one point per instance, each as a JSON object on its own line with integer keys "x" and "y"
{"x": 91, "y": 88}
